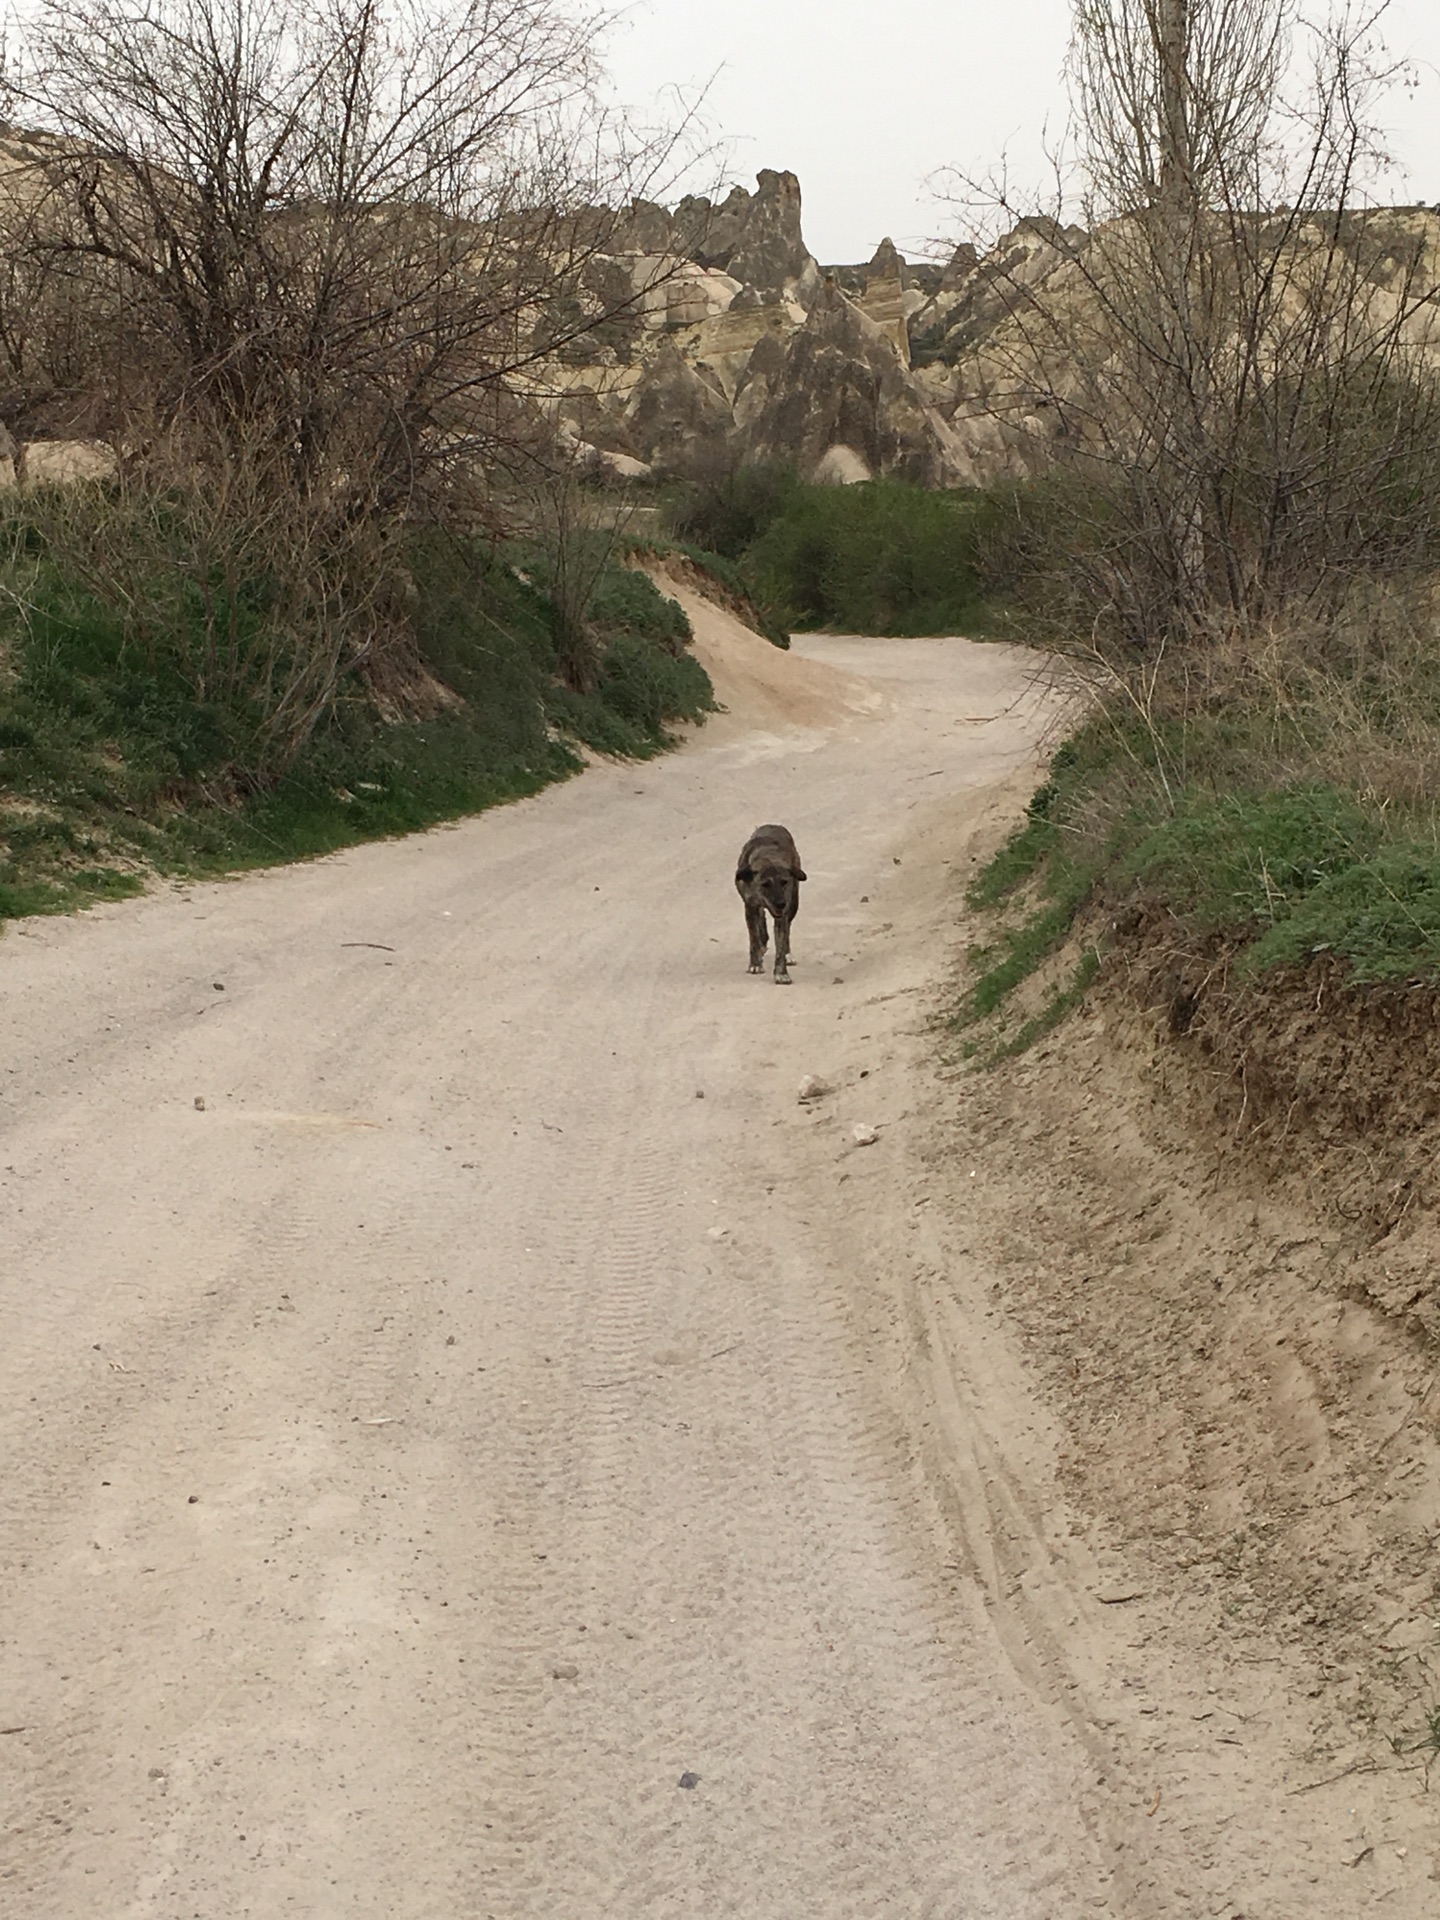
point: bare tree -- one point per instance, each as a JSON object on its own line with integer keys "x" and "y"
{"x": 322, "y": 253}
{"x": 579, "y": 531}
{"x": 1227, "y": 368}
{"x": 325, "y": 211}
{"x": 1174, "y": 101}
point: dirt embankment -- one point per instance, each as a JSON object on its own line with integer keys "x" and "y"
{"x": 1324, "y": 1091}
{"x": 1225, "y": 1269}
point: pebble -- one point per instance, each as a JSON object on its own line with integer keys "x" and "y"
{"x": 565, "y": 1670}
{"x": 864, "y": 1136}
{"x": 688, "y": 1780}
{"x": 812, "y": 1087}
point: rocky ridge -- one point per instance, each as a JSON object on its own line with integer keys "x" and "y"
{"x": 707, "y": 336}
{"x": 736, "y": 345}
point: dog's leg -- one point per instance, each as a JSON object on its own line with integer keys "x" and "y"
{"x": 782, "y": 949}
{"x": 759, "y": 935}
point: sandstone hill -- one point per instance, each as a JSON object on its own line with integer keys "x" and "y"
{"x": 739, "y": 346}
{"x": 707, "y": 335}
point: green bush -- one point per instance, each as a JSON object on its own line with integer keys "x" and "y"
{"x": 881, "y": 557}
{"x": 727, "y": 516}
{"x": 626, "y": 601}
{"x": 648, "y": 686}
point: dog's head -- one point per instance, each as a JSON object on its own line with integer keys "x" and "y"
{"x": 778, "y": 886}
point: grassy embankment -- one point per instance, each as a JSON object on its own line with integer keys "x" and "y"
{"x": 1274, "y": 822}
{"x": 114, "y": 765}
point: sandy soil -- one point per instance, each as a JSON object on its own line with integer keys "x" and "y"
{"x": 477, "y": 1444}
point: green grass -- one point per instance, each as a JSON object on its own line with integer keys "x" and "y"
{"x": 1061, "y": 1002}
{"x": 1036, "y": 887}
{"x": 1019, "y": 952}
{"x": 81, "y": 888}
{"x": 1295, "y": 872}
{"x": 1425, "y": 1739}
{"x": 110, "y": 767}
{"x": 1382, "y": 914}
{"x": 1276, "y": 875}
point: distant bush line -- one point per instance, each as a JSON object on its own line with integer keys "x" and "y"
{"x": 881, "y": 557}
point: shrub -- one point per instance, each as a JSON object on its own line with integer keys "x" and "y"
{"x": 880, "y": 557}
{"x": 727, "y": 516}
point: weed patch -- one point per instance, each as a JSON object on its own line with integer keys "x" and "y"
{"x": 110, "y": 765}
{"x": 1021, "y": 950}
{"x": 1125, "y": 833}
{"x": 1424, "y": 1740}
{"x": 1061, "y": 1002}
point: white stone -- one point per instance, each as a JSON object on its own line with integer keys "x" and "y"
{"x": 841, "y": 467}
{"x": 60, "y": 463}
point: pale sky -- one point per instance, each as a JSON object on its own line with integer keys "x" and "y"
{"x": 864, "y": 99}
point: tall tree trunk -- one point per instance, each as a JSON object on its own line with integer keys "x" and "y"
{"x": 1177, "y": 169}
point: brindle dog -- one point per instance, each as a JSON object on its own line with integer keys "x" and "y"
{"x": 768, "y": 877}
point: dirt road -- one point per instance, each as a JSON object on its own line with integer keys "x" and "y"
{"x": 469, "y": 1448}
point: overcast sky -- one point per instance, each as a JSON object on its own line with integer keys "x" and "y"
{"x": 865, "y": 99}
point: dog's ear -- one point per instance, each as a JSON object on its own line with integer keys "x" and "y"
{"x": 799, "y": 875}
{"x": 744, "y": 874}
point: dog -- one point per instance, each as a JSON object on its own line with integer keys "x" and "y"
{"x": 767, "y": 878}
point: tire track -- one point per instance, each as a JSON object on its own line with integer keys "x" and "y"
{"x": 535, "y": 1458}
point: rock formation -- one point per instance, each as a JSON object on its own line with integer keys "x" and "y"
{"x": 883, "y": 299}
{"x": 677, "y": 420}
{"x": 697, "y": 338}
{"x": 755, "y": 238}
{"x": 734, "y": 345}
{"x": 741, "y": 348}
{"x": 840, "y": 386}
